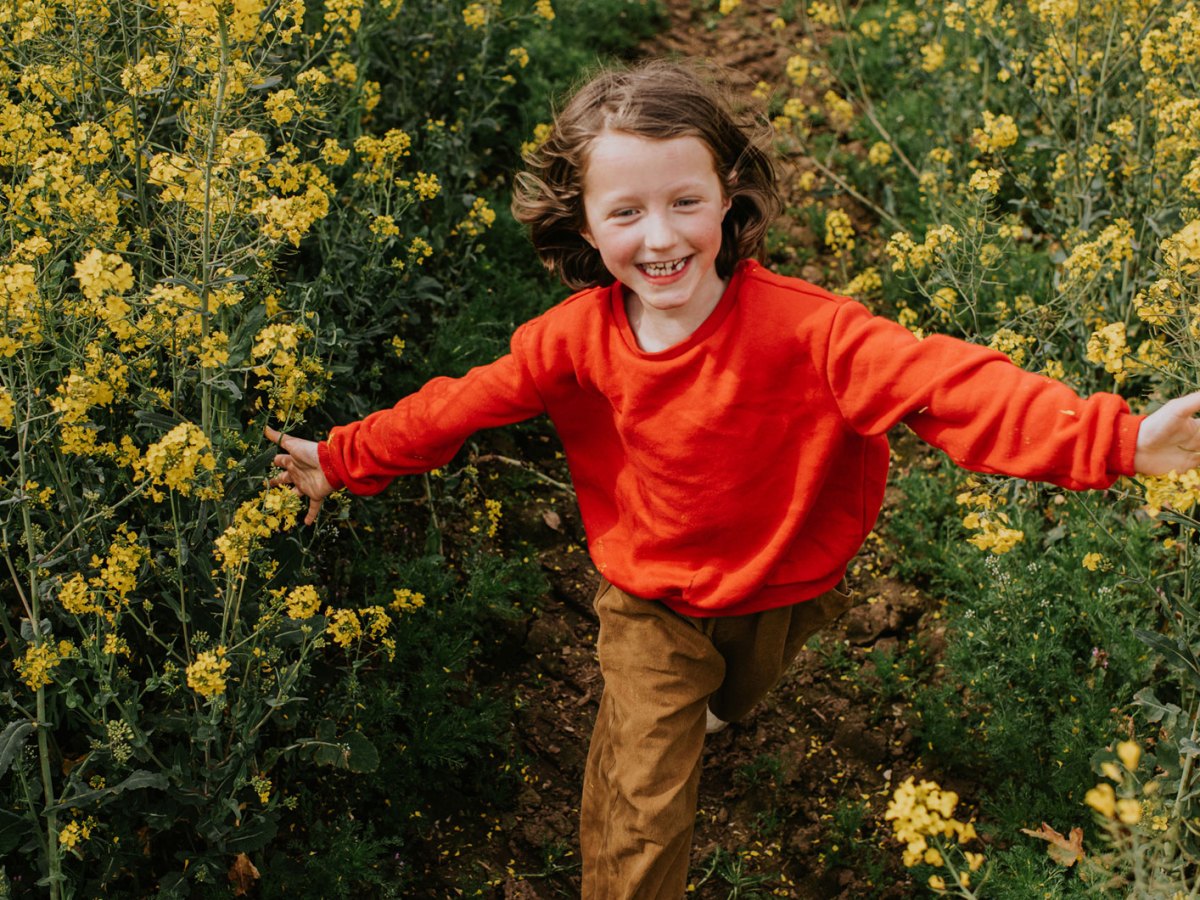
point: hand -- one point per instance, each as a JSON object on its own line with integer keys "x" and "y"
{"x": 301, "y": 469}
{"x": 1169, "y": 439}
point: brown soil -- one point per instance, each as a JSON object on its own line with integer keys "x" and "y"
{"x": 779, "y": 788}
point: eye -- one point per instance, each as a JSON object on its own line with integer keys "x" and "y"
{"x": 687, "y": 201}
{"x": 623, "y": 213}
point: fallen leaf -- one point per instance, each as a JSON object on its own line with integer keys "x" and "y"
{"x": 552, "y": 519}
{"x": 242, "y": 875}
{"x": 1064, "y": 851}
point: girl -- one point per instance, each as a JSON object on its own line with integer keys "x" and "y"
{"x": 725, "y": 430}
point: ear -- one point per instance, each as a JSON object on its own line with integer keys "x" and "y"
{"x": 730, "y": 183}
{"x": 587, "y": 236}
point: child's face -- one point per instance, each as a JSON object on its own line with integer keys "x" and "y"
{"x": 654, "y": 209}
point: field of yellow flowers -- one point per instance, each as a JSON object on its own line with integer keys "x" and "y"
{"x": 216, "y": 215}
{"x": 1027, "y": 175}
{"x": 223, "y": 213}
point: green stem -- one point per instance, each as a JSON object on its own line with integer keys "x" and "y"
{"x": 206, "y": 248}
{"x": 53, "y": 852}
{"x": 183, "y": 618}
{"x": 33, "y": 610}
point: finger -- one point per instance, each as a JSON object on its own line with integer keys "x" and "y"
{"x": 314, "y": 509}
{"x": 275, "y": 437}
{"x": 1187, "y": 405}
{"x": 284, "y": 477}
{"x": 281, "y": 460}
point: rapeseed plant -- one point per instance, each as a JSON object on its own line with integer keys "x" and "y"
{"x": 161, "y": 165}
{"x": 1054, "y": 217}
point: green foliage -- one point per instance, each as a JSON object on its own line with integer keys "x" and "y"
{"x": 214, "y": 212}
{"x": 730, "y": 871}
{"x": 1039, "y": 649}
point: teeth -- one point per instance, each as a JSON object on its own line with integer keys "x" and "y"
{"x": 664, "y": 268}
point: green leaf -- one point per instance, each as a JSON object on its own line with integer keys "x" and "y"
{"x": 252, "y": 835}
{"x": 1155, "y": 709}
{"x": 12, "y": 829}
{"x": 137, "y": 781}
{"x": 1178, "y": 656}
{"x": 11, "y": 741}
{"x": 363, "y": 755}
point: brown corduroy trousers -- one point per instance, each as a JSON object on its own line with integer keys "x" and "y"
{"x": 661, "y": 671}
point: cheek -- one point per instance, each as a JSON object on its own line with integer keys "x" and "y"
{"x": 616, "y": 245}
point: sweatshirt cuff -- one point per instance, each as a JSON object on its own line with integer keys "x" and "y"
{"x": 328, "y": 468}
{"x": 1125, "y": 446}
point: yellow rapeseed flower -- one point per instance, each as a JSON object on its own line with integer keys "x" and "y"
{"x": 839, "y": 231}
{"x": 100, "y": 274}
{"x": 1103, "y": 799}
{"x": 933, "y": 56}
{"x": 986, "y": 181}
{"x": 76, "y": 597}
{"x": 997, "y": 133}
{"x": 426, "y": 185}
{"x": 1107, "y": 346}
{"x": 343, "y": 626}
{"x": 118, "y": 571}
{"x": 1182, "y": 249}
{"x": 8, "y": 408}
{"x": 475, "y": 16}
{"x": 75, "y": 832}
{"x": 824, "y": 13}
{"x": 39, "y": 661}
{"x": 1130, "y": 754}
{"x": 273, "y": 510}
{"x": 182, "y": 461}
{"x": 880, "y": 153}
{"x": 206, "y": 674}
{"x": 303, "y": 602}
{"x": 1129, "y": 811}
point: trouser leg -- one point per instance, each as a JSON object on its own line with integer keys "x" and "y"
{"x": 758, "y": 648}
{"x": 643, "y": 768}
{"x": 661, "y": 671}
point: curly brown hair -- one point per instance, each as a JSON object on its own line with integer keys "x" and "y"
{"x": 655, "y": 99}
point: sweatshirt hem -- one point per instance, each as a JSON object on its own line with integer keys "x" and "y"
{"x": 771, "y": 596}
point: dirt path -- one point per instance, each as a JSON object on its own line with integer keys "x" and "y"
{"x": 783, "y": 792}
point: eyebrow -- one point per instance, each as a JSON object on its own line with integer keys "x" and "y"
{"x": 683, "y": 187}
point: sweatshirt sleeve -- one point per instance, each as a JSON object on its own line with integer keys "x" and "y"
{"x": 972, "y": 402}
{"x": 425, "y": 429}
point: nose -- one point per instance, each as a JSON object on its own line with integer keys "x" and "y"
{"x": 659, "y": 233}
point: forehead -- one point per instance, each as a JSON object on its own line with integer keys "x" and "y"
{"x": 619, "y": 157}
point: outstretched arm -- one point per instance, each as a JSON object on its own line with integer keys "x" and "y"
{"x": 1169, "y": 439}
{"x": 301, "y": 469}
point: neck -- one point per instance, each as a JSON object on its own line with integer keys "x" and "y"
{"x": 660, "y": 329}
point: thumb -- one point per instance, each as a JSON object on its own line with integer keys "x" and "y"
{"x": 275, "y": 437}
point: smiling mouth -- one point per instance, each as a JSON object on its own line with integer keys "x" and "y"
{"x": 661, "y": 269}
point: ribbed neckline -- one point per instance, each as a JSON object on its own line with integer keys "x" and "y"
{"x": 707, "y": 327}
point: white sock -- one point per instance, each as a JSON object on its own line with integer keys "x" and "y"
{"x": 713, "y": 724}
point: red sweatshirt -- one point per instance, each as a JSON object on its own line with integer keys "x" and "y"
{"x": 742, "y": 469}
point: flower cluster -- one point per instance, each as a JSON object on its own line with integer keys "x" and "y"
{"x": 303, "y": 602}
{"x": 206, "y": 674}
{"x": 40, "y": 660}
{"x": 293, "y": 382}
{"x": 922, "y": 817}
{"x": 1103, "y": 798}
{"x": 993, "y": 534}
{"x": 274, "y": 509}
{"x": 183, "y": 461}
